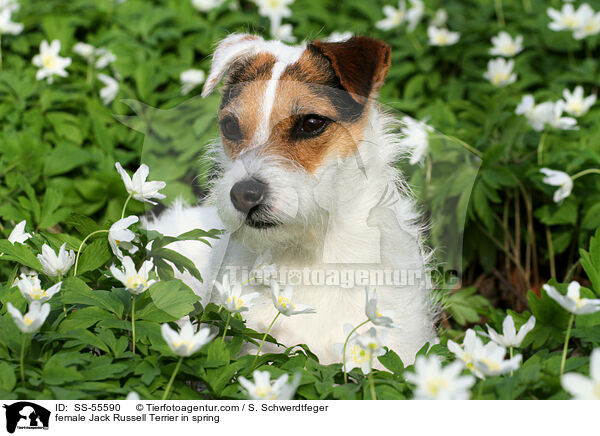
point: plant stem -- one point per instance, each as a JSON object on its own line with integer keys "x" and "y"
{"x": 414, "y": 42}
{"x": 22, "y": 358}
{"x": 510, "y": 352}
{"x": 480, "y": 390}
{"x": 551, "y": 253}
{"x": 499, "y": 13}
{"x": 0, "y": 52}
{"x": 463, "y": 143}
{"x": 585, "y": 172}
{"x": 166, "y": 394}
{"x": 125, "y": 206}
{"x": 133, "y": 325}
{"x": 81, "y": 246}
{"x": 226, "y": 325}
{"x": 371, "y": 381}
{"x": 566, "y": 347}
{"x": 540, "y": 147}
{"x": 346, "y": 344}
{"x": 90, "y": 70}
{"x": 264, "y": 339}
{"x": 62, "y": 293}
{"x": 527, "y": 6}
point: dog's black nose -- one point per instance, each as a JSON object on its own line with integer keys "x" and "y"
{"x": 247, "y": 194}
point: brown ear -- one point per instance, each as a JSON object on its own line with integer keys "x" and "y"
{"x": 361, "y": 63}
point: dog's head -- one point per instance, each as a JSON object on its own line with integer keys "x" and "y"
{"x": 287, "y": 115}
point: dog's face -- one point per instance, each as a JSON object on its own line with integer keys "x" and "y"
{"x": 287, "y": 115}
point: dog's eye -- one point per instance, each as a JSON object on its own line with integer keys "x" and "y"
{"x": 230, "y": 128}
{"x": 309, "y": 126}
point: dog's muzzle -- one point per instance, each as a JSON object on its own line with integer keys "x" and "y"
{"x": 247, "y": 194}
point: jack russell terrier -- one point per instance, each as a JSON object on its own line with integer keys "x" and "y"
{"x": 306, "y": 174}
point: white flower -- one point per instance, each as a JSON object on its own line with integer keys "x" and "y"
{"x": 283, "y": 301}
{"x": 263, "y": 270}
{"x": 190, "y": 79}
{"x": 274, "y": 9}
{"x": 414, "y": 14}
{"x": 206, "y": 5}
{"x": 581, "y": 387}
{"x": 471, "y": 348}
{"x": 186, "y": 342}
{"x": 384, "y": 318}
{"x": 574, "y": 102}
{"x": 33, "y": 319}
{"x": 572, "y": 302}
{"x": 133, "y": 395}
{"x": 437, "y": 383}
{"x": 137, "y": 185}
{"x": 283, "y": 33}
{"x": 361, "y": 350}
{"x": 231, "y": 296}
{"x": 490, "y": 361}
{"x": 11, "y": 5}
{"x": 7, "y": 27}
{"x": 105, "y": 57}
{"x": 537, "y": 115}
{"x": 441, "y": 37}
{"x": 505, "y": 45}
{"x": 339, "y": 36}
{"x": 110, "y": 91}
{"x": 265, "y": 389}
{"x": 54, "y": 265}
{"x": 556, "y": 119}
{"x": 439, "y": 19}
{"x": 500, "y": 72}
{"x": 393, "y": 16}
{"x": 31, "y": 289}
{"x": 49, "y": 62}
{"x": 511, "y": 338}
{"x": 84, "y": 50}
{"x": 567, "y": 18}
{"x": 590, "y": 22}
{"x": 18, "y": 234}
{"x": 136, "y": 281}
{"x": 119, "y": 236}
{"x": 415, "y": 138}
{"x": 558, "y": 178}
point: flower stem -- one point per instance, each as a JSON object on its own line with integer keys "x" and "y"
{"x": 510, "y": 352}
{"x": 166, "y": 394}
{"x": 540, "y": 147}
{"x": 480, "y": 390}
{"x": 81, "y": 246}
{"x": 133, "y": 325}
{"x": 463, "y": 143}
{"x": 264, "y": 339}
{"x": 527, "y": 6}
{"x": 90, "y": 70}
{"x": 566, "y": 347}
{"x": 499, "y": 12}
{"x": 344, "y": 349}
{"x": 551, "y": 253}
{"x": 585, "y": 172}
{"x": 62, "y": 293}
{"x": 414, "y": 42}
{"x": 125, "y": 206}
{"x": 226, "y": 325}
{"x": 22, "y": 358}
{"x": 370, "y": 376}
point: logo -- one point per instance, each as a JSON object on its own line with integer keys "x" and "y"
{"x": 26, "y": 415}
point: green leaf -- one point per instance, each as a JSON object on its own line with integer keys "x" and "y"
{"x": 170, "y": 301}
{"x": 94, "y": 256}
{"x": 8, "y": 380}
{"x": 19, "y": 253}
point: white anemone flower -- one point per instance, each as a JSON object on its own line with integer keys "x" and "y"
{"x": 500, "y": 72}
{"x": 537, "y": 115}
{"x": 110, "y": 91}
{"x": 275, "y": 10}
{"x": 441, "y": 36}
{"x": 84, "y": 50}
{"x": 361, "y": 350}
{"x": 190, "y": 79}
{"x": 104, "y": 57}
{"x": 231, "y": 296}
{"x": 582, "y": 387}
{"x": 31, "y": 289}
{"x": 567, "y": 18}
{"x": 264, "y": 389}
{"x": 472, "y": 347}
{"x": 283, "y": 301}
{"x": 490, "y": 362}
{"x": 206, "y": 5}
{"x": 383, "y": 318}
{"x": 11, "y": 5}
{"x": 575, "y": 103}
{"x": 414, "y": 14}
{"x": 263, "y": 270}
{"x": 33, "y": 319}
{"x": 138, "y": 187}
{"x": 136, "y": 281}
{"x": 283, "y": 32}
{"x": 572, "y": 302}
{"x": 510, "y": 337}
{"x": 556, "y": 119}
{"x": 133, "y": 395}
{"x": 186, "y": 342}
{"x": 18, "y": 234}
{"x": 393, "y": 16}
{"x": 415, "y": 138}
{"x": 589, "y": 25}
{"x": 339, "y": 36}
{"x": 560, "y": 179}
{"x": 436, "y": 383}
{"x": 49, "y": 62}
{"x": 439, "y": 18}
{"x": 53, "y": 265}
{"x": 7, "y": 26}
{"x": 119, "y": 236}
{"x": 504, "y": 45}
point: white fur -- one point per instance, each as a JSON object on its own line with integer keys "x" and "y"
{"x": 353, "y": 213}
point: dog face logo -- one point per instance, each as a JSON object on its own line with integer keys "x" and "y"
{"x": 26, "y": 415}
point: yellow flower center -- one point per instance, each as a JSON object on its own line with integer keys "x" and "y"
{"x": 498, "y": 78}
{"x": 237, "y": 302}
{"x": 37, "y": 293}
{"x": 491, "y": 365}
{"x": 435, "y": 384}
{"x": 187, "y": 344}
{"x": 442, "y": 39}
{"x": 49, "y": 61}
{"x": 285, "y": 302}
{"x": 509, "y": 48}
{"x": 27, "y": 320}
{"x": 591, "y": 26}
{"x": 575, "y": 107}
{"x": 135, "y": 281}
{"x": 570, "y": 21}
{"x": 398, "y": 18}
{"x": 359, "y": 355}
{"x": 265, "y": 392}
{"x": 274, "y": 4}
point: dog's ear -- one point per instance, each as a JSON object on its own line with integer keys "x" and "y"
{"x": 231, "y": 49}
{"x": 360, "y": 63}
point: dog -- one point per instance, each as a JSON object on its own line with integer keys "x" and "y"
{"x": 307, "y": 177}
